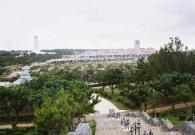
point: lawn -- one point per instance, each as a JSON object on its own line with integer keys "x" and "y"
{"x": 176, "y": 116}
{"x": 92, "y": 124}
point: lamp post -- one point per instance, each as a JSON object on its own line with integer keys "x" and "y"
{"x": 145, "y": 133}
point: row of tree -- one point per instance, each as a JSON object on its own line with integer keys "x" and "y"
{"x": 166, "y": 77}
{"x": 56, "y": 99}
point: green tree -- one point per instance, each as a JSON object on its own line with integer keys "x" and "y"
{"x": 114, "y": 76}
{"x": 183, "y": 93}
{"x": 13, "y": 100}
{"x": 54, "y": 114}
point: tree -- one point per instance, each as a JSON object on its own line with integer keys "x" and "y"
{"x": 154, "y": 100}
{"x": 170, "y": 58}
{"x": 13, "y": 100}
{"x": 3, "y": 70}
{"x": 183, "y": 93}
{"x": 114, "y": 76}
{"x": 54, "y": 115}
{"x": 142, "y": 73}
{"x": 59, "y": 113}
{"x": 140, "y": 95}
{"x": 100, "y": 77}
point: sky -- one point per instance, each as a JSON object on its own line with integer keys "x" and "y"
{"x": 99, "y": 24}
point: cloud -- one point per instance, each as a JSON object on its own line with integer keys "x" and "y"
{"x": 95, "y": 23}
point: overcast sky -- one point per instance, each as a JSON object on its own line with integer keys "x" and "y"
{"x": 95, "y": 23}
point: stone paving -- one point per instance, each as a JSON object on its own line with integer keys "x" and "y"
{"x": 112, "y": 126}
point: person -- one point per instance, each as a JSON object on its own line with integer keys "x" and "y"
{"x": 145, "y": 133}
{"x": 150, "y": 132}
{"x": 127, "y": 123}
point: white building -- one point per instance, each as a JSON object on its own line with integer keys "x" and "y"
{"x": 109, "y": 54}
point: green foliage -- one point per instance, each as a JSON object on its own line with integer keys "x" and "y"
{"x": 14, "y": 58}
{"x": 18, "y": 131}
{"x": 3, "y": 70}
{"x": 70, "y": 103}
{"x": 21, "y": 118}
{"x": 176, "y": 116}
{"x": 54, "y": 114}
{"x": 92, "y": 125}
{"x": 12, "y": 102}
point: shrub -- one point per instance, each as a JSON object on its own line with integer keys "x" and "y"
{"x": 18, "y": 131}
{"x": 125, "y": 100}
{"x": 23, "y": 118}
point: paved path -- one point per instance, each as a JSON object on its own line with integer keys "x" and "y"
{"x": 169, "y": 107}
{"x": 110, "y": 126}
{"x": 104, "y": 105}
{"x": 18, "y": 125}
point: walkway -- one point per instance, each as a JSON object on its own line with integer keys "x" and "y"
{"x": 104, "y": 105}
{"x": 111, "y": 126}
{"x": 169, "y": 107}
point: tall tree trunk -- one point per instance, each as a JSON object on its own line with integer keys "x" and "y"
{"x": 103, "y": 87}
{"x": 145, "y": 107}
{"x": 14, "y": 125}
{"x": 112, "y": 88}
{"x": 173, "y": 106}
{"x": 153, "y": 111}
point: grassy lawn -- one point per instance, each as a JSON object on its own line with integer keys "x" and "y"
{"x": 119, "y": 105}
{"x": 173, "y": 119}
{"x": 109, "y": 91}
{"x": 176, "y": 116}
{"x": 92, "y": 124}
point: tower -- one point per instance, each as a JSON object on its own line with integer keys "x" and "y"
{"x": 137, "y": 45}
{"x": 36, "y": 44}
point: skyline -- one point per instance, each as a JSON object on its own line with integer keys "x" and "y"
{"x": 92, "y": 24}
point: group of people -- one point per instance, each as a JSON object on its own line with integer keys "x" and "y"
{"x": 134, "y": 129}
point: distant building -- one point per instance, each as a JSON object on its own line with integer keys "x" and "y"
{"x": 109, "y": 54}
{"x": 36, "y": 49}
{"x": 24, "y": 76}
{"x": 137, "y": 46}
{"x": 36, "y": 45}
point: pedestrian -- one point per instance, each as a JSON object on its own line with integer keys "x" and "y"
{"x": 150, "y": 132}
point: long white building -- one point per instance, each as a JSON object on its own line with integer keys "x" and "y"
{"x": 109, "y": 54}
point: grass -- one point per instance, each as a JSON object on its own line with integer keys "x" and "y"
{"x": 173, "y": 119}
{"x": 119, "y": 105}
{"x": 92, "y": 124}
{"x": 109, "y": 91}
{"x": 176, "y": 116}
{"x": 18, "y": 131}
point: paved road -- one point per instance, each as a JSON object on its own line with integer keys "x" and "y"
{"x": 110, "y": 126}
{"x": 104, "y": 105}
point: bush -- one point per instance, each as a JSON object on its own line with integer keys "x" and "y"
{"x": 92, "y": 124}
{"x": 23, "y": 118}
{"x": 125, "y": 100}
{"x": 104, "y": 94}
{"x": 18, "y": 131}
